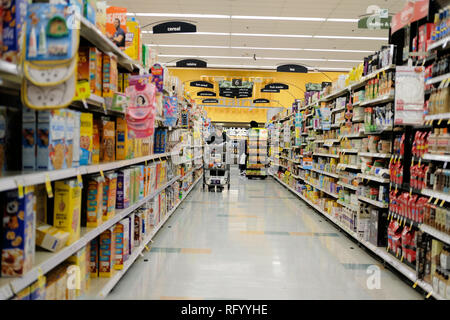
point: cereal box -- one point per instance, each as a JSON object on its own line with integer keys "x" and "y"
{"x": 153, "y": 209}
{"x": 86, "y": 133}
{"x": 50, "y": 238}
{"x": 37, "y": 289}
{"x": 140, "y": 182}
{"x": 132, "y": 188}
{"x": 66, "y": 212}
{"x": 51, "y": 140}
{"x": 109, "y": 195}
{"x": 69, "y": 137}
{"x": 137, "y": 229}
{"x": 100, "y": 19}
{"x": 28, "y": 139}
{"x": 14, "y": 12}
{"x": 76, "y": 138}
{"x": 3, "y": 131}
{"x": 123, "y": 187}
{"x": 79, "y": 260}
{"x": 121, "y": 247}
{"x": 132, "y": 39}
{"x": 110, "y": 78}
{"x": 93, "y": 258}
{"x": 50, "y": 286}
{"x": 18, "y": 232}
{"x": 13, "y": 138}
{"x": 96, "y": 142}
{"x": 106, "y": 253}
{"x": 41, "y": 203}
{"x": 122, "y": 144}
{"x": 131, "y": 233}
{"x": 89, "y": 65}
{"x": 94, "y": 201}
{"x": 108, "y": 145}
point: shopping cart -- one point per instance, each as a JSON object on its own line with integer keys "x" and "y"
{"x": 216, "y": 170}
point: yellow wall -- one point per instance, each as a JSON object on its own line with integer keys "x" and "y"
{"x": 296, "y": 82}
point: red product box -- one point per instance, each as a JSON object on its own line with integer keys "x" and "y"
{"x": 424, "y": 36}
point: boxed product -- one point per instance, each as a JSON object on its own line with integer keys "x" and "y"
{"x": 101, "y": 16}
{"x": 93, "y": 258}
{"x": 76, "y": 138}
{"x": 28, "y": 139}
{"x": 94, "y": 201}
{"x": 90, "y": 10}
{"x": 86, "y": 133}
{"x": 121, "y": 247}
{"x": 131, "y": 233}
{"x": 153, "y": 209}
{"x": 96, "y": 142}
{"x": 24, "y": 294}
{"x": 123, "y": 189}
{"x": 109, "y": 195}
{"x": 18, "y": 239}
{"x": 132, "y": 187}
{"x": 132, "y": 39}
{"x": 41, "y": 203}
{"x": 69, "y": 137}
{"x": 378, "y": 228}
{"x": 79, "y": 259}
{"x": 12, "y": 138}
{"x": 109, "y": 75}
{"x": 51, "y": 150}
{"x": 67, "y": 208}
{"x": 90, "y": 68}
{"x": 153, "y": 184}
{"x": 50, "y": 238}
{"x": 14, "y": 13}
{"x": 106, "y": 253}
{"x": 138, "y": 236}
{"x": 50, "y": 286}
{"x": 113, "y": 14}
{"x": 122, "y": 143}
{"x": 108, "y": 138}
{"x": 3, "y": 131}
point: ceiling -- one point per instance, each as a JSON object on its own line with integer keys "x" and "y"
{"x": 245, "y": 30}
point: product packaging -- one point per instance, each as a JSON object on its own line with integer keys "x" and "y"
{"x": 110, "y": 77}
{"x": 76, "y": 138}
{"x": 86, "y": 133}
{"x": 93, "y": 258}
{"x": 14, "y": 13}
{"x": 96, "y": 142}
{"x": 123, "y": 189}
{"x": 51, "y": 151}
{"x": 108, "y": 138}
{"x": 28, "y": 139}
{"x": 121, "y": 245}
{"x": 122, "y": 142}
{"x": 94, "y": 201}
{"x": 50, "y": 238}
{"x": 18, "y": 239}
{"x": 109, "y": 195}
{"x": 79, "y": 259}
{"x": 106, "y": 253}
{"x": 67, "y": 208}
{"x": 90, "y": 68}
{"x": 101, "y": 16}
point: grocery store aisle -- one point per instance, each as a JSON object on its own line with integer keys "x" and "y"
{"x": 257, "y": 241}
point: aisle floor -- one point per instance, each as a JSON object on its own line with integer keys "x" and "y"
{"x": 255, "y": 241}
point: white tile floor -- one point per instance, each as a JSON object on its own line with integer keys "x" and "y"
{"x": 248, "y": 253}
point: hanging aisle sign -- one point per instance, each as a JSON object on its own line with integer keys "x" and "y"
{"x": 175, "y": 27}
{"x": 261, "y": 101}
{"x": 292, "y": 68}
{"x": 270, "y": 90}
{"x": 206, "y": 94}
{"x": 412, "y": 12}
{"x": 202, "y": 84}
{"x": 210, "y": 101}
{"x": 277, "y": 86}
{"x": 191, "y": 63}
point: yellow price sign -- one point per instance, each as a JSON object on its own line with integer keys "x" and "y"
{"x": 415, "y": 284}
{"x": 440, "y": 121}
{"x": 102, "y": 174}
{"x": 80, "y": 180}
{"x": 429, "y": 294}
{"x": 20, "y": 190}
{"x": 436, "y": 202}
{"x": 48, "y": 186}
{"x": 431, "y": 199}
{"x": 442, "y": 203}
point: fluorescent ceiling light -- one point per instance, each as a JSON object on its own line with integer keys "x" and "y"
{"x": 351, "y": 37}
{"x": 277, "y": 35}
{"x": 255, "y": 48}
{"x": 243, "y": 66}
{"x": 237, "y": 17}
{"x": 257, "y": 58}
{"x": 277, "y": 18}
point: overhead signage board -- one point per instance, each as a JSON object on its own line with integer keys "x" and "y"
{"x": 413, "y": 11}
{"x": 295, "y": 68}
{"x": 210, "y": 101}
{"x": 202, "y": 84}
{"x": 374, "y": 23}
{"x": 174, "y": 27}
{"x": 261, "y": 101}
{"x": 206, "y": 94}
{"x": 265, "y": 90}
{"x": 191, "y": 63}
{"x": 277, "y": 86}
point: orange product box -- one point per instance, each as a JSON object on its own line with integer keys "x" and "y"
{"x": 110, "y": 76}
{"x": 90, "y": 68}
{"x": 113, "y": 13}
{"x": 109, "y": 195}
{"x": 94, "y": 207}
{"x": 106, "y": 253}
{"x": 108, "y": 138}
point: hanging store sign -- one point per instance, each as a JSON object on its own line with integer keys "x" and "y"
{"x": 292, "y": 68}
{"x": 175, "y": 27}
{"x": 210, "y": 101}
{"x": 191, "y": 63}
{"x": 375, "y": 23}
{"x": 202, "y": 84}
{"x": 277, "y": 86}
{"x": 261, "y": 101}
{"x": 206, "y": 94}
{"x": 413, "y": 11}
{"x": 265, "y": 90}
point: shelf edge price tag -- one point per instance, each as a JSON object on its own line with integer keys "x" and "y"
{"x": 102, "y": 174}
{"x": 431, "y": 199}
{"x": 415, "y": 284}
{"x": 85, "y": 105}
{"x": 436, "y": 202}
{"x": 48, "y": 186}
{"x": 442, "y": 203}
{"x": 20, "y": 190}
{"x": 79, "y": 179}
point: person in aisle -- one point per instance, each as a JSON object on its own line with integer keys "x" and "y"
{"x": 119, "y": 37}
{"x": 242, "y": 160}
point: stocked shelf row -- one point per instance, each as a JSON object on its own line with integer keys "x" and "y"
{"x": 380, "y": 252}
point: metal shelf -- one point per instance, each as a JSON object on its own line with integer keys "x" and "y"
{"x": 349, "y": 150}
{"x": 383, "y": 99}
{"x": 101, "y": 287}
{"x": 436, "y": 194}
{"x": 349, "y": 166}
{"x": 46, "y": 261}
{"x": 374, "y": 202}
{"x": 326, "y": 155}
{"x": 444, "y": 237}
{"x": 11, "y": 179}
{"x": 438, "y": 79}
{"x": 375, "y": 155}
{"x": 333, "y": 175}
{"x": 348, "y": 186}
{"x": 349, "y": 206}
{"x": 437, "y": 157}
{"x": 441, "y": 43}
{"x": 441, "y": 116}
{"x": 373, "y": 178}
